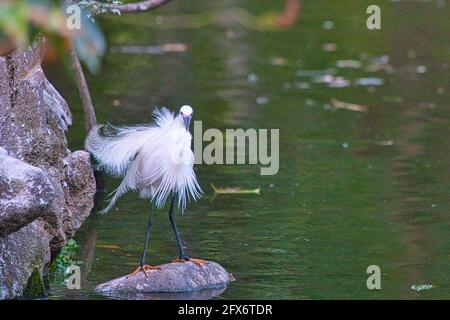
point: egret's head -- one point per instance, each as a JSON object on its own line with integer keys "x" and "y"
{"x": 186, "y": 114}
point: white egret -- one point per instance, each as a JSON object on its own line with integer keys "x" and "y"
{"x": 154, "y": 159}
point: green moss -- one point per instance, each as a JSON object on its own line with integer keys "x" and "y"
{"x": 62, "y": 261}
{"x": 35, "y": 287}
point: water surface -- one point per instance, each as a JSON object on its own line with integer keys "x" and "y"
{"x": 355, "y": 187}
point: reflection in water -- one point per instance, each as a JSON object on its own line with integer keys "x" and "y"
{"x": 268, "y": 21}
{"x": 205, "y": 294}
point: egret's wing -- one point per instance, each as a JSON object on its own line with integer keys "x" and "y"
{"x": 116, "y": 147}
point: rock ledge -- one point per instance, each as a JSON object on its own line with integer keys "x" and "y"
{"x": 46, "y": 191}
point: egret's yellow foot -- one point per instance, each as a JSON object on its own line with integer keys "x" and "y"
{"x": 199, "y": 262}
{"x": 144, "y": 269}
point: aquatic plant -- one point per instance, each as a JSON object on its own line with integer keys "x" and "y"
{"x": 63, "y": 260}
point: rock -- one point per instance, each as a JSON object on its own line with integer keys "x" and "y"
{"x": 26, "y": 193}
{"x": 21, "y": 254}
{"x": 185, "y": 277}
{"x": 46, "y": 191}
{"x": 78, "y": 188}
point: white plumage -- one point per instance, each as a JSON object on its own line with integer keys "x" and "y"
{"x": 155, "y": 159}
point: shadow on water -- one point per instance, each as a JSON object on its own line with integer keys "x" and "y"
{"x": 205, "y": 294}
{"x": 364, "y": 149}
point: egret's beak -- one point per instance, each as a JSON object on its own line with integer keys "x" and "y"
{"x": 186, "y": 120}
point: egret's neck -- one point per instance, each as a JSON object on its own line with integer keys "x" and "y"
{"x": 180, "y": 123}
{"x": 180, "y": 134}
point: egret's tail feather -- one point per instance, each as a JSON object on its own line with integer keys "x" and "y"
{"x": 128, "y": 183}
{"x": 112, "y": 201}
{"x": 116, "y": 147}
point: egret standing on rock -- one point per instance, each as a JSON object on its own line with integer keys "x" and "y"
{"x": 154, "y": 159}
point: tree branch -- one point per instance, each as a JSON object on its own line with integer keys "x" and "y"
{"x": 141, "y": 6}
{"x": 90, "y": 119}
{"x": 89, "y": 113}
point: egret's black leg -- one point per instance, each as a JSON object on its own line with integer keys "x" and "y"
{"x": 175, "y": 230}
{"x": 147, "y": 237}
{"x": 182, "y": 256}
{"x": 142, "y": 266}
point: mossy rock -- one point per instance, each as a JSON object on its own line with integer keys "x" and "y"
{"x": 35, "y": 287}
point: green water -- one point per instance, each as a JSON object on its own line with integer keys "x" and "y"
{"x": 354, "y": 188}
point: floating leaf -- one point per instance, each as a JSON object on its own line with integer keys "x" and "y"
{"x": 329, "y": 47}
{"x": 348, "y": 106}
{"x": 386, "y": 143}
{"x": 339, "y": 82}
{"x": 235, "y": 190}
{"x": 151, "y": 50}
{"x": 369, "y": 81}
{"x": 108, "y": 246}
{"x": 355, "y": 64}
{"x": 421, "y": 287}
